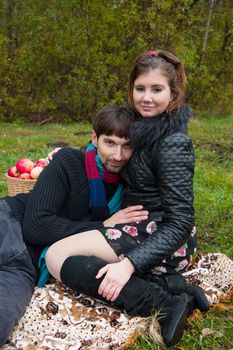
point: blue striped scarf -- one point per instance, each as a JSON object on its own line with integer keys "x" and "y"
{"x": 97, "y": 175}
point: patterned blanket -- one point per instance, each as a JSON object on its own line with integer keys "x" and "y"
{"x": 214, "y": 274}
{"x": 60, "y": 319}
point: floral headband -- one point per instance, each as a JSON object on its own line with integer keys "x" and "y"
{"x": 161, "y": 55}
{"x": 152, "y": 53}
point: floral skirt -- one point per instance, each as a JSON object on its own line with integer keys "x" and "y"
{"x": 122, "y": 238}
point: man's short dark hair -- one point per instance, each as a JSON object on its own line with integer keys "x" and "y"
{"x": 113, "y": 120}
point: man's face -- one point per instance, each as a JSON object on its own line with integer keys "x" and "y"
{"x": 114, "y": 151}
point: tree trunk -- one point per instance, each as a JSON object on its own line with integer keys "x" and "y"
{"x": 212, "y": 4}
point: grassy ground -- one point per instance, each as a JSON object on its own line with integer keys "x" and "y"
{"x": 213, "y": 186}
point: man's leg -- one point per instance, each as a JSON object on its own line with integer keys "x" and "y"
{"x": 17, "y": 274}
{"x": 16, "y": 288}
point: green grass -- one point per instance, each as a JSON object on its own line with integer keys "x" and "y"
{"x": 33, "y": 141}
{"x": 213, "y": 183}
{"x": 213, "y": 187}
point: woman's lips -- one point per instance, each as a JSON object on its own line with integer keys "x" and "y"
{"x": 147, "y": 108}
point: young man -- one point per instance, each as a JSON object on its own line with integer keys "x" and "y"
{"x": 75, "y": 192}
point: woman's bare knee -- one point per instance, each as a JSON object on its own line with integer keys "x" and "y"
{"x": 85, "y": 243}
{"x": 54, "y": 261}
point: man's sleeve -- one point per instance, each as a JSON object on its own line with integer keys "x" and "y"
{"x": 42, "y": 223}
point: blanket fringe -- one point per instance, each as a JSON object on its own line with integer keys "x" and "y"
{"x": 154, "y": 331}
{"x": 196, "y": 316}
{"x": 222, "y": 307}
{"x": 131, "y": 340}
{"x": 227, "y": 297}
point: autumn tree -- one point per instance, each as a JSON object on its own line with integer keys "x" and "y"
{"x": 64, "y": 59}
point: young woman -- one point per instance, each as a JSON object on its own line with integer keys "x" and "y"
{"x": 158, "y": 176}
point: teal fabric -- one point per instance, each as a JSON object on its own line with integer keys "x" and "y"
{"x": 44, "y": 272}
{"x": 114, "y": 204}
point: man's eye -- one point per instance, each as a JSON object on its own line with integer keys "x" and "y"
{"x": 127, "y": 146}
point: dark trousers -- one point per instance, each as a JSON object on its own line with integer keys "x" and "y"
{"x": 17, "y": 273}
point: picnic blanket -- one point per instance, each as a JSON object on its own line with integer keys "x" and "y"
{"x": 214, "y": 274}
{"x": 60, "y": 319}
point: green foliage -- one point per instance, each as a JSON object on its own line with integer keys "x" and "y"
{"x": 65, "y": 59}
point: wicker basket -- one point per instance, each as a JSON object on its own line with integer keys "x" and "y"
{"x": 16, "y": 185}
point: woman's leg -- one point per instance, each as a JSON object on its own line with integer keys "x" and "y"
{"x": 85, "y": 243}
{"x": 77, "y": 259}
{"x": 138, "y": 297}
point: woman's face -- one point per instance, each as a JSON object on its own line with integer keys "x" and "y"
{"x": 151, "y": 93}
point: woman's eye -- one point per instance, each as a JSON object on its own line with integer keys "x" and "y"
{"x": 157, "y": 90}
{"x": 139, "y": 89}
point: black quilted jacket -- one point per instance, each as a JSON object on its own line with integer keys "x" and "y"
{"x": 159, "y": 176}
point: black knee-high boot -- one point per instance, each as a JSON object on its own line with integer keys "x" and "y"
{"x": 138, "y": 297}
{"x": 175, "y": 284}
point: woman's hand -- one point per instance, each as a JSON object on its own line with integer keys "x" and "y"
{"x": 134, "y": 213}
{"x": 51, "y": 155}
{"x": 116, "y": 276}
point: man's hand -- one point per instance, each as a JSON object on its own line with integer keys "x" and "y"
{"x": 51, "y": 154}
{"x": 131, "y": 214}
{"x": 116, "y": 276}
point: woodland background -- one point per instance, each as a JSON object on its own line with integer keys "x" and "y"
{"x": 61, "y": 60}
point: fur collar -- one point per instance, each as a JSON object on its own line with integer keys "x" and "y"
{"x": 147, "y": 131}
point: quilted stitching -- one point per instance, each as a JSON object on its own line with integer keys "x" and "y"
{"x": 165, "y": 176}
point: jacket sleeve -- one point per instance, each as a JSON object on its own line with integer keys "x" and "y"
{"x": 43, "y": 223}
{"x": 173, "y": 165}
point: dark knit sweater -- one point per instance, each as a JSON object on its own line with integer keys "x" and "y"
{"x": 58, "y": 206}
{"x": 17, "y": 204}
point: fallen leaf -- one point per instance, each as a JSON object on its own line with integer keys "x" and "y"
{"x": 206, "y": 331}
{"x": 223, "y": 307}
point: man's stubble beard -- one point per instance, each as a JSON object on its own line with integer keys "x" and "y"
{"x": 114, "y": 169}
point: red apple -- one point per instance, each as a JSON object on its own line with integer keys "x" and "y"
{"x": 25, "y": 176}
{"x": 24, "y": 165}
{"x": 35, "y": 172}
{"x": 13, "y": 172}
{"x": 40, "y": 162}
